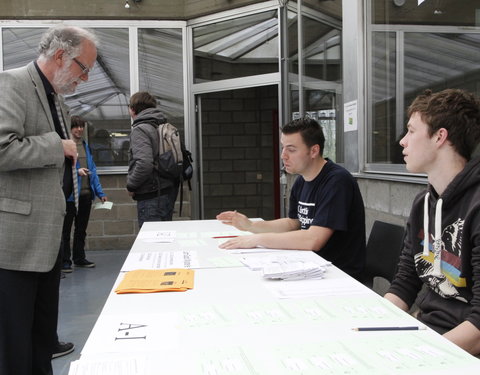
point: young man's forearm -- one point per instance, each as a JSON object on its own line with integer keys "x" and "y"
{"x": 397, "y": 301}
{"x": 274, "y": 226}
{"x": 466, "y": 336}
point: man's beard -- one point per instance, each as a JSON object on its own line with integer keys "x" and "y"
{"x": 63, "y": 82}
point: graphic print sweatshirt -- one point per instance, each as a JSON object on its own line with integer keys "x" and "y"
{"x": 442, "y": 252}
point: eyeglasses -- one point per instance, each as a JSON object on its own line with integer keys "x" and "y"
{"x": 85, "y": 70}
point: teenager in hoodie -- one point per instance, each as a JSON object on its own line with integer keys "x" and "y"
{"x": 155, "y": 195}
{"x": 442, "y": 244}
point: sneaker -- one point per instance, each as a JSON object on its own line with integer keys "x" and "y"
{"x": 62, "y": 348}
{"x": 67, "y": 268}
{"x": 84, "y": 263}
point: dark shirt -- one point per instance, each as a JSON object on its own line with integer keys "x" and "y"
{"x": 333, "y": 200}
{"x": 49, "y": 91}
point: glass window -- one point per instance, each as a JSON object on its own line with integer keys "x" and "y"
{"x": 383, "y": 139}
{"x": 322, "y": 78}
{"x": 406, "y": 61}
{"x": 239, "y": 47}
{"x": 322, "y": 51}
{"x": 321, "y": 48}
{"x": 427, "y": 12}
{"x": 438, "y": 61}
{"x": 20, "y": 46}
{"x": 160, "y": 62}
{"x": 102, "y": 100}
{"x": 291, "y": 49}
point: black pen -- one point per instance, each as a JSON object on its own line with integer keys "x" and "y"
{"x": 407, "y": 328}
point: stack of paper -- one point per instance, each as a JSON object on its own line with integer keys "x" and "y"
{"x": 260, "y": 261}
{"x": 294, "y": 271}
{"x": 151, "y": 281}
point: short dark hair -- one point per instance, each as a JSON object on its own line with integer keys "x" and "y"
{"x": 309, "y": 129}
{"x": 141, "y": 101}
{"x": 456, "y": 110}
{"x": 77, "y": 121}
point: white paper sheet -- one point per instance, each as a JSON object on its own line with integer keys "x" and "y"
{"x": 151, "y": 260}
{"x": 103, "y": 205}
{"x": 313, "y": 288}
{"x": 167, "y": 236}
{"x": 113, "y": 366}
{"x": 134, "y": 333}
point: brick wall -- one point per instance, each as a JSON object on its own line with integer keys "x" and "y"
{"x": 117, "y": 228}
{"x": 238, "y": 130}
{"x": 387, "y": 201}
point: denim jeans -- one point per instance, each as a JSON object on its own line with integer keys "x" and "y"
{"x": 80, "y": 232}
{"x": 155, "y": 209}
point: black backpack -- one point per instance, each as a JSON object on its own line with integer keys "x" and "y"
{"x": 174, "y": 160}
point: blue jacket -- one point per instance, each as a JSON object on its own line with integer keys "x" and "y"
{"x": 95, "y": 186}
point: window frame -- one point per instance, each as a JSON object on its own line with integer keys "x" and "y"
{"x": 132, "y": 26}
{"x": 396, "y": 172}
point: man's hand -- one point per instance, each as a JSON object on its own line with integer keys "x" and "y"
{"x": 70, "y": 149}
{"x": 238, "y": 220}
{"x": 104, "y": 199}
{"x": 242, "y": 242}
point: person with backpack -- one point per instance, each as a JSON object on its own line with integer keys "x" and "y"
{"x": 154, "y": 188}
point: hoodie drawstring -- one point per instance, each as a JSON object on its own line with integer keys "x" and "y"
{"x": 425, "y": 226}
{"x": 437, "y": 239}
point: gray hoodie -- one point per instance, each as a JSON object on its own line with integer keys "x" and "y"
{"x": 142, "y": 179}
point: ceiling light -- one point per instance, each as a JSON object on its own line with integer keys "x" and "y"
{"x": 127, "y": 4}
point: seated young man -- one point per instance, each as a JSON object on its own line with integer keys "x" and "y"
{"x": 326, "y": 211}
{"x": 442, "y": 244}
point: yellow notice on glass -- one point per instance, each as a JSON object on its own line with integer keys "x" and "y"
{"x": 152, "y": 281}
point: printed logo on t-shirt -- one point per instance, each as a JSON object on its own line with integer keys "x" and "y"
{"x": 451, "y": 278}
{"x": 305, "y": 212}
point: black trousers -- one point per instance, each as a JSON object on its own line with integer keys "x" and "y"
{"x": 28, "y": 320}
{"x": 80, "y": 232}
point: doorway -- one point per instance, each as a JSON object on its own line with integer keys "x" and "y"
{"x": 238, "y": 140}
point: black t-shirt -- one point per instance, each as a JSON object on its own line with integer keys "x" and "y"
{"x": 333, "y": 200}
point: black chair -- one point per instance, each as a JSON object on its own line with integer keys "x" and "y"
{"x": 383, "y": 251}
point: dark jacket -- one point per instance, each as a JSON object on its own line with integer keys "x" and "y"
{"x": 142, "y": 178}
{"x": 447, "y": 260}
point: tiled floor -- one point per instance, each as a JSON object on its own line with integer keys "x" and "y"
{"x": 82, "y": 296}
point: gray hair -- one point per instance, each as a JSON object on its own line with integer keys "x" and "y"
{"x": 68, "y": 38}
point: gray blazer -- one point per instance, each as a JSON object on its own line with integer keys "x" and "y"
{"x": 32, "y": 203}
